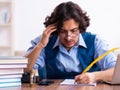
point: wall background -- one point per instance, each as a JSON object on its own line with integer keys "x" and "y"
{"x": 30, "y": 15}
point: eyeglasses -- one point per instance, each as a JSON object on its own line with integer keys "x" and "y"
{"x": 73, "y": 31}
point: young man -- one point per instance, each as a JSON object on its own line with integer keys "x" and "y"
{"x": 65, "y": 49}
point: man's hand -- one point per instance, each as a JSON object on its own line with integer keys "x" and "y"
{"x": 46, "y": 34}
{"x": 85, "y": 78}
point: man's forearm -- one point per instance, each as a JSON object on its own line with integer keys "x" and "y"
{"x": 32, "y": 57}
{"x": 105, "y": 75}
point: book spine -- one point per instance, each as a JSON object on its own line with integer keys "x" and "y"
{"x": 10, "y": 84}
{"x": 7, "y": 80}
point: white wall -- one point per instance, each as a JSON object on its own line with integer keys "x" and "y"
{"x": 30, "y": 14}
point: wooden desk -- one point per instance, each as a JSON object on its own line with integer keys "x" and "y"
{"x": 57, "y": 86}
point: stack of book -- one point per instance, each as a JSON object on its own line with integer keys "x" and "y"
{"x": 11, "y": 70}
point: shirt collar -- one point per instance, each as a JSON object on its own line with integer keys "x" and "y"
{"x": 81, "y": 41}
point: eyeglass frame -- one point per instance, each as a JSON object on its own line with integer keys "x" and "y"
{"x": 73, "y": 31}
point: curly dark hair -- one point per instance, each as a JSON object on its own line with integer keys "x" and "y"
{"x": 66, "y": 11}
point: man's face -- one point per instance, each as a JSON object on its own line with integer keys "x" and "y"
{"x": 69, "y": 33}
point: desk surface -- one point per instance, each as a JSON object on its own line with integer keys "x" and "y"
{"x": 57, "y": 86}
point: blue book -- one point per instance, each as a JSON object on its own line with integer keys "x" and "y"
{"x": 10, "y": 76}
{"x": 10, "y": 82}
{"x": 7, "y": 80}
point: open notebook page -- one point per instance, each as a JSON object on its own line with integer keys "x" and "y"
{"x": 71, "y": 82}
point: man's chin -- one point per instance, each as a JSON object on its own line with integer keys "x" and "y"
{"x": 69, "y": 46}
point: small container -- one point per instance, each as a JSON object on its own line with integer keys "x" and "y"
{"x": 32, "y": 78}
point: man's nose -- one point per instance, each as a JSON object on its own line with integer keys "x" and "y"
{"x": 69, "y": 36}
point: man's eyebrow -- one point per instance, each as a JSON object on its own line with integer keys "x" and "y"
{"x": 74, "y": 28}
{"x": 70, "y": 29}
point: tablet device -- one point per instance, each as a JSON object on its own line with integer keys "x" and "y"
{"x": 116, "y": 74}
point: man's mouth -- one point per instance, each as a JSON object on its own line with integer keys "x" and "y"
{"x": 69, "y": 42}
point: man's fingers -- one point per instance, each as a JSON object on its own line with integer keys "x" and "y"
{"x": 49, "y": 30}
{"x": 83, "y": 78}
{"x": 79, "y": 77}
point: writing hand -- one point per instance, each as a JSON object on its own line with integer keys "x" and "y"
{"x": 85, "y": 78}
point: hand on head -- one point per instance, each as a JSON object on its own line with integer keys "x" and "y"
{"x": 46, "y": 34}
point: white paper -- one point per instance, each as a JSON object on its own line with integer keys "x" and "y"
{"x": 72, "y": 82}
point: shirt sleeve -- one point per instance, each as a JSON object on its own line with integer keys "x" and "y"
{"x": 40, "y": 61}
{"x": 101, "y": 46}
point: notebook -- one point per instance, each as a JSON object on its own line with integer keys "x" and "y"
{"x": 116, "y": 74}
{"x": 72, "y": 82}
